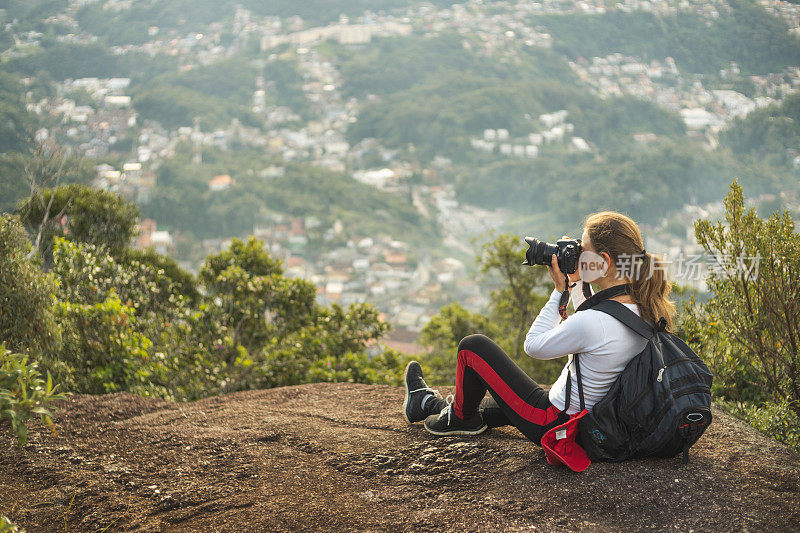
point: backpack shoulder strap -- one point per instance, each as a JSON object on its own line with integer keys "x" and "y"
{"x": 627, "y": 317}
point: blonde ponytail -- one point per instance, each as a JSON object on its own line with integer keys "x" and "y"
{"x": 619, "y": 236}
{"x": 651, "y": 290}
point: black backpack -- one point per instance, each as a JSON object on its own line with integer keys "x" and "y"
{"x": 659, "y": 405}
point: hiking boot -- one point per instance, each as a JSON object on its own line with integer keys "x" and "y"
{"x": 448, "y": 423}
{"x": 421, "y": 400}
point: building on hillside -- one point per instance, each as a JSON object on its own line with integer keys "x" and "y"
{"x": 698, "y": 118}
{"x": 162, "y": 241}
{"x": 553, "y": 119}
{"x": 220, "y": 183}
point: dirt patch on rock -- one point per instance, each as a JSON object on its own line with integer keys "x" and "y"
{"x": 340, "y": 456}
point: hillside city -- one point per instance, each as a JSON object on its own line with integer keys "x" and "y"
{"x": 408, "y": 287}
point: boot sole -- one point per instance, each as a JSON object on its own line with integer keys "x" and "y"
{"x": 458, "y": 431}
{"x": 405, "y": 385}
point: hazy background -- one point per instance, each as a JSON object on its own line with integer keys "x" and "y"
{"x": 373, "y": 146}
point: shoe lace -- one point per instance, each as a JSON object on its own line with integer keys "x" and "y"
{"x": 448, "y": 409}
{"x": 432, "y": 391}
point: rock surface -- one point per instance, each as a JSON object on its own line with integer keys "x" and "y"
{"x": 335, "y": 457}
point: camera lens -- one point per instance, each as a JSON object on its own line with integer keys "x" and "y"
{"x": 539, "y": 252}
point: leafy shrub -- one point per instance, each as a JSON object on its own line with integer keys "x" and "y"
{"x": 776, "y": 420}
{"x": 749, "y": 330}
{"x": 194, "y": 349}
{"x": 337, "y": 336}
{"x": 130, "y": 318}
{"x": 23, "y": 393}
{"x": 26, "y": 290}
{"x": 107, "y": 348}
{"x": 359, "y": 368}
{"x": 735, "y": 378}
{"x": 134, "y": 321}
{"x": 183, "y": 282}
{"x": 105, "y": 352}
{"x": 87, "y": 274}
{"x": 257, "y": 302}
{"x": 753, "y": 316}
{"x": 127, "y": 326}
{"x": 7, "y": 526}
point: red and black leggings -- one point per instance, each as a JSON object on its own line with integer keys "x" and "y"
{"x": 515, "y": 398}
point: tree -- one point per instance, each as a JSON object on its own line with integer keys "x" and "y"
{"x": 278, "y": 334}
{"x": 81, "y": 214}
{"x": 87, "y": 274}
{"x": 750, "y": 328}
{"x": 26, "y": 294}
{"x": 256, "y": 301}
{"x": 44, "y": 169}
{"x": 182, "y": 282}
{"x": 104, "y": 350}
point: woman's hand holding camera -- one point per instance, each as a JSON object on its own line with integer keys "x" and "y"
{"x": 558, "y": 276}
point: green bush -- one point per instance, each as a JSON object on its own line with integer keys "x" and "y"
{"x": 26, "y": 290}
{"x": 337, "y": 336}
{"x": 167, "y": 340}
{"x": 134, "y": 321}
{"x": 86, "y": 274}
{"x": 182, "y": 282}
{"x": 127, "y": 326}
{"x": 753, "y": 315}
{"x": 108, "y": 348}
{"x": 749, "y": 330}
{"x": 23, "y": 393}
{"x": 7, "y": 526}
{"x": 359, "y": 368}
{"x": 104, "y": 351}
{"x": 776, "y": 420}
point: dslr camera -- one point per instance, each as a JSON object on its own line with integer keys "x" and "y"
{"x": 567, "y": 252}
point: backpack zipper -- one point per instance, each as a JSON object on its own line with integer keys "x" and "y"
{"x": 635, "y": 403}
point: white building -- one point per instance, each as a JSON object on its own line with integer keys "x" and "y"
{"x": 697, "y": 118}
{"x": 161, "y": 241}
{"x": 112, "y": 100}
{"x": 551, "y": 119}
{"x": 580, "y": 144}
{"x": 377, "y": 178}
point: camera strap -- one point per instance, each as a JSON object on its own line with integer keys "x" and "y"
{"x": 605, "y": 294}
{"x": 562, "y": 303}
{"x": 587, "y": 290}
{"x": 587, "y": 293}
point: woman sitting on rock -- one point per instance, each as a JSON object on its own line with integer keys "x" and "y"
{"x": 605, "y": 344}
